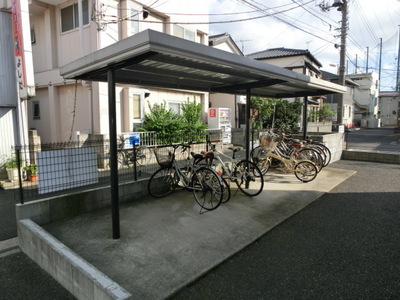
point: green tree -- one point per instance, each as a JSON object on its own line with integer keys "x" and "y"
{"x": 325, "y": 112}
{"x": 162, "y": 120}
{"x": 264, "y": 108}
{"x": 287, "y": 114}
{"x": 191, "y": 120}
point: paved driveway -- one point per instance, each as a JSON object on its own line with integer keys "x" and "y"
{"x": 380, "y": 139}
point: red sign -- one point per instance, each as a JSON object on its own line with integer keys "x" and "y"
{"x": 18, "y": 43}
{"x": 212, "y": 112}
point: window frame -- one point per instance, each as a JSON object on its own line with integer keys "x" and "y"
{"x": 174, "y": 105}
{"x": 185, "y": 32}
{"x": 75, "y": 16}
{"x": 134, "y": 21}
{"x": 35, "y": 110}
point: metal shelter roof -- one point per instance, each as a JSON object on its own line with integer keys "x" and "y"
{"x": 154, "y": 59}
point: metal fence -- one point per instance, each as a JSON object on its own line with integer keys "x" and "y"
{"x": 78, "y": 166}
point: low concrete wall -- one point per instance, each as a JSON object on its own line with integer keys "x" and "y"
{"x": 76, "y": 275}
{"x": 334, "y": 141}
{"x": 64, "y": 206}
{"x": 319, "y": 127}
{"x": 383, "y": 157}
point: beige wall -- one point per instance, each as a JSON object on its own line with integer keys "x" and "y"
{"x": 54, "y": 49}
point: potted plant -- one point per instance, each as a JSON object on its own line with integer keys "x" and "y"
{"x": 31, "y": 171}
{"x": 11, "y": 166}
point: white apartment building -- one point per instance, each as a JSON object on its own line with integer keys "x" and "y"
{"x": 366, "y": 97}
{"x": 63, "y": 31}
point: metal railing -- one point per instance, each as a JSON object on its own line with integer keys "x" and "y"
{"x": 77, "y": 166}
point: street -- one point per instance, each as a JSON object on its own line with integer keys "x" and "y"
{"x": 381, "y": 139}
{"x": 342, "y": 246}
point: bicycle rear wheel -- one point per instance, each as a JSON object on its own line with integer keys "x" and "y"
{"x": 305, "y": 171}
{"x": 162, "y": 182}
{"x": 248, "y": 178}
{"x": 325, "y": 150}
{"x": 311, "y": 155}
{"x": 143, "y": 156}
{"x": 207, "y": 188}
{"x": 260, "y": 157}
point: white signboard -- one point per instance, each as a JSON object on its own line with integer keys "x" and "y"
{"x": 65, "y": 169}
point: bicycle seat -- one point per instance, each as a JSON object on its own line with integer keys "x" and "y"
{"x": 235, "y": 149}
{"x": 207, "y": 154}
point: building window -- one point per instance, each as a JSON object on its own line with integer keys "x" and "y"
{"x": 33, "y": 36}
{"x": 70, "y": 16}
{"x": 36, "y": 109}
{"x": 137, "y": 107}
{"x": 175, "y": 107}
{"x": 184, "y": 33}
{"x": 134, "y": 18}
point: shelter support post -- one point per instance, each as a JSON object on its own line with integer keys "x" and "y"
{"x": 305, "y": 113}
{"x": 248, "y": 125}
{"x": 248, "y": 130}
{"x": 112, "y": 117}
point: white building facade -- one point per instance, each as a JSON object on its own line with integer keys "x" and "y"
{"x": 366, "y": 96}
{"x": 63, "y": 31}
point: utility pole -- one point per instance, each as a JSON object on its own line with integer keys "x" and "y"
{"x": 398, "y": 67}
{"x": 380, "y": 63}
{"x": 366, "y": 67}
{"x": 342, "y": 62}
{"x": 341, "y": 6}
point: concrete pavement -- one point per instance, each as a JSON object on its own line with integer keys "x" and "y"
{"x": 166, "y": 244}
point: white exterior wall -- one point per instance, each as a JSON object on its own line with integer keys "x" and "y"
{"x": 389, "y": 107}
{"x": 54, "y": 49}
{"x": 367, "y": 94}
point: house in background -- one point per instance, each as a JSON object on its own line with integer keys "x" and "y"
{"x": 389, "y": 105}
{"x": 360, "y": 103}
{"x": 296, "y": 60}
{"x": 235, "y": 103}
{"x": 366, "y": 99}
{"x": 63, "y": 31}
{"x": 350, "y": 106}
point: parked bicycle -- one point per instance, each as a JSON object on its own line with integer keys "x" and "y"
{"x": 127, "y": 157}
{"x": 203, "y": 181}
{"x": 244, "y": 173}
{"x": 287, "y": 148}
{"x": 305, "y": 170}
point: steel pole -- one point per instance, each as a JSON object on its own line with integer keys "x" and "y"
{"x": 112, "y": 117}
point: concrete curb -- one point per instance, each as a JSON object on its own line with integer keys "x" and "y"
{"x": 75, "y": 274}
{"x": 372, "y": 156}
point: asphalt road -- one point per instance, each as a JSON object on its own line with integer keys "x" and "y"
{"x": 342, "y": 246}
{"x": 380, "y": 139}
{"x": 345, "y": 245}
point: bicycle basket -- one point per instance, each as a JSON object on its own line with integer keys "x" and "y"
{"x": 164, "y": 157}
{"x": 268, "y": 142}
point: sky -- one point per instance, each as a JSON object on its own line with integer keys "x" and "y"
{"x": 257, "y": 25}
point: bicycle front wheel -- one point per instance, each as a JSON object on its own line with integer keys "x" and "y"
{"x": 207, "y": 188}
{"x": 226, "y": 190}
{"x": 248, "y": 178}
{"x": 305, "y": 171}
{"x": 162, "y": 182}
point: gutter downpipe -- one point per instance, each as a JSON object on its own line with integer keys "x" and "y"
{"x": 112, "y": 117}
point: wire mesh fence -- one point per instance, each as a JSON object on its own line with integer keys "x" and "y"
{"x": 49, "y": 169}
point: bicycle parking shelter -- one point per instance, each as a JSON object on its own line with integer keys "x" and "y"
{"x": 157, "y": 60}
